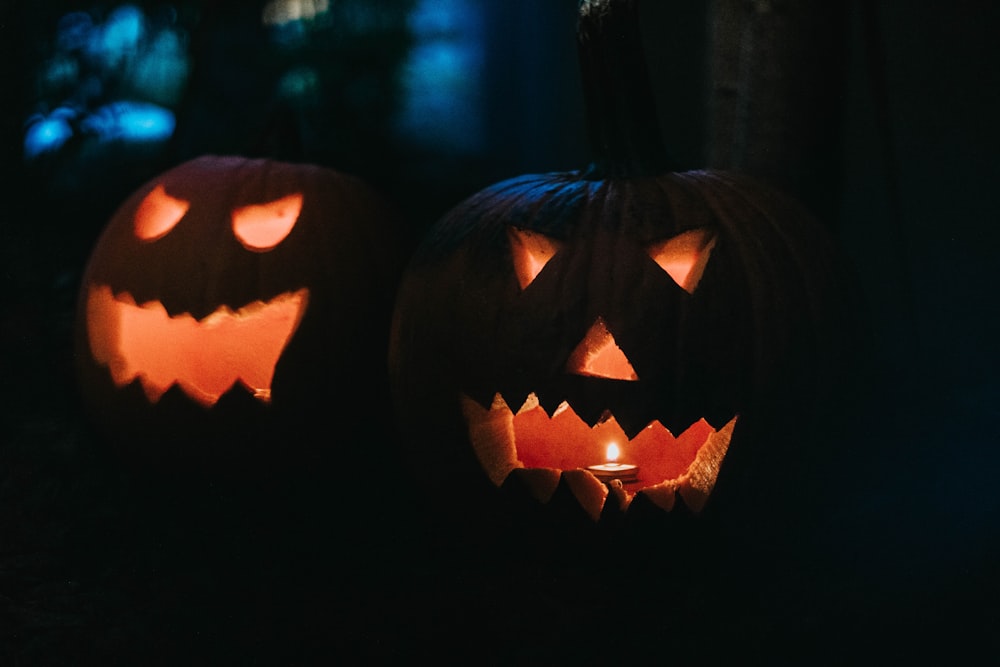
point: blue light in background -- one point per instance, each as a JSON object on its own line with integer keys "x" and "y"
{"x": 119, "y": 37}
{"x": 73, "y": 31}
{"x": 299, "y": 83}
{"x": 130, "y": 121}
{"x": 110, "y": 79}
{"x": 161, "y": 70}
{"x": 59, "y": 73}
{"x": 440, "y": 79}
{"x": 48, "y": 133}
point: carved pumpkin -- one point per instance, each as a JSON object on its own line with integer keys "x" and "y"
{"x": 603, "y": 333}
{"x": 228, "y": 303}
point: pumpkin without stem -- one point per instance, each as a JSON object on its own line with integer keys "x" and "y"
{"x": 228, "y": 305}
{"x": 603, "y": 333}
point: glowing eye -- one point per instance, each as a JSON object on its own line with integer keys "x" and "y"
{"x": 158, "y": 213}
{"x": 260, "y": 227}
{"x": 531, "y": 252}
{"x": 684, "y": 256}
{"x": 598, "y": 355}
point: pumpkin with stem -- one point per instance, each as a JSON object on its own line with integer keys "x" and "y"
{"x": 233, "y": 305}
{"x": 603, "y": 334}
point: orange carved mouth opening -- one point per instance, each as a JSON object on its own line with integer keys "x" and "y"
{"x": 203, "y": 357}
{"x": 545, "y": 448}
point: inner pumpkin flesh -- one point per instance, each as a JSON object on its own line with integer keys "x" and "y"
{"x": 529, "y": 438}
{"x": 204, "y": 357}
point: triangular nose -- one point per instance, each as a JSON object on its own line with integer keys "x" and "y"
{"x": 598, "y": 355}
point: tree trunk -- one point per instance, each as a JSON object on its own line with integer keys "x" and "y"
{"x": 778, "y": 72}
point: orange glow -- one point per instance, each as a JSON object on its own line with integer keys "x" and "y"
{"x": 598, "y": 355}
{"x": 261, "y": 227}
{"x": 688, "y": 464}
{"x": 531, "y": 251}
{"x": 204, "y": 357}
{"x": 684, "y": 257}
{"x": 566, "y": 442}
{"x": 158, "y": 213}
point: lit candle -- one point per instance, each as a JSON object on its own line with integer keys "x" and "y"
{"x": 612, "y": 470}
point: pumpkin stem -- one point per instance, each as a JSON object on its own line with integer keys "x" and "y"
{"x": 620, "y": 106}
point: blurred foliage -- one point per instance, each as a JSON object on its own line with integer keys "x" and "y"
{"x": 287, "y": 79}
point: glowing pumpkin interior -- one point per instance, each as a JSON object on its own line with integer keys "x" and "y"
{"x": 545, "y": 447}
{"x": 205, "y": 357}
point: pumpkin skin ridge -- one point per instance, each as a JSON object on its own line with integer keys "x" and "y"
{"x": 517, "y": 206}
{"x": 529, "y": 197}
{"x": 734, "y": 194}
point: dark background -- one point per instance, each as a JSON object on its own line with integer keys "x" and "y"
{"x": 883, "y": 122}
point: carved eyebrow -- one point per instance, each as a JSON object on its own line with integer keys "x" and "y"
{"x": 260, "y": 227}
{"x": 531, "y": 251}
{"x": 157, "y": 214}
{"x": 684, "y": 257}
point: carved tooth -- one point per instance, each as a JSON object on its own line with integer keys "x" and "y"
{"x": 704, "y": 471}
{"x": 562, "y": 408}
{"x": 491, "y": 433}
{"x": 540, "y": 482}
{"x": 124, "y": 297}
{"x": 530, "y": 403}
{"x": 498, "y": 403}
{"x": 663, "y": 495}
{"x": 588, "y": 491}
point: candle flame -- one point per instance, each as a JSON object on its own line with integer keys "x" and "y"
{"x": 613, "y": 453}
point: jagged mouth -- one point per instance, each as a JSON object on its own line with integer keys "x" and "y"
{"x": 205, "y": 357}
{"x": 544, "y": 448}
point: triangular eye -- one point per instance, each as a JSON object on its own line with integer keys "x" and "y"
{"x": 598, "y": 355}
{"x": 260, "y": 227}
{"x": 531, "y": 252}
{"x": 684, "y": 256}
{"x": 157, "y": 214}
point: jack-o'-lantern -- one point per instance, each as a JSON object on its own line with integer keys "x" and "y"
{"x": 228, "y": 304}
{"x": 604, "y": 333}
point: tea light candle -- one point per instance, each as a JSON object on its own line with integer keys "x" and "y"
{"x": 612, "y": 470}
